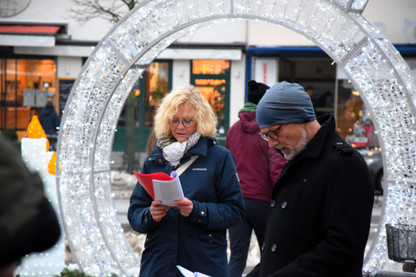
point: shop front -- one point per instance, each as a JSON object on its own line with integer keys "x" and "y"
{"x": 26, "y": 85}
{"x": 331, "y": 90}
{"x": 27, "y": 80}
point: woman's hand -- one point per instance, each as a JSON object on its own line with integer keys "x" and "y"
{"x": 158, "y": 211}
{"x": 185, "y": 206}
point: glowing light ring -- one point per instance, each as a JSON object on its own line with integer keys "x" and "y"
{"x": 96, "y": 100}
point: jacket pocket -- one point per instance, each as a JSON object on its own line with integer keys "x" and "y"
{"x": 212, "y": 239}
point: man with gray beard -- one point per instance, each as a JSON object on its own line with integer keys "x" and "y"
{"x": 321, "y": 205}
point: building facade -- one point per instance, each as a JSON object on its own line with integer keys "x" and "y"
{"x": 43, "y": 48}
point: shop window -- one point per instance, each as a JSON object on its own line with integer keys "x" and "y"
{"x": 212, "y": 78}
{"x": 356, "y": 127}
{"x": 26, "y": 85}
{"x": 157, "y": 86}
{"x": 353, "y": 118}
{"x": 141, "y": 105}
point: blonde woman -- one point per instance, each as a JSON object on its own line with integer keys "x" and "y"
{"x": 192, "y": 234}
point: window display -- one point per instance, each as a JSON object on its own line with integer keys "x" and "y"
{"x": 212, "y": 78}
{"x": 136, "y": 119}
{"x": 26, "y": 85}
{"x": 356, "y": 127}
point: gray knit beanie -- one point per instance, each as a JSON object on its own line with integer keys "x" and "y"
{"x": 284, "y": 103}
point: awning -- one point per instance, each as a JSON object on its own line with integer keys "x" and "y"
{"x": 36, "y": 29}
{"x": 287, "y": 51}
{"x": 57, "y": 50}
{"x": 201, "y": 54}
{"x": 405, "y": 50}
{"x": 28, "y": 35}
{"x": 27, "y": 40}
{"x": 169, "y": 53}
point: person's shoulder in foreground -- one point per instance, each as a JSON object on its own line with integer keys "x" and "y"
{"x": 28, "y": 222}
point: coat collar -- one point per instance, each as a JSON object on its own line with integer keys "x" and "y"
{"x": 317, "y": 143}
{"x": 201, "y": 148}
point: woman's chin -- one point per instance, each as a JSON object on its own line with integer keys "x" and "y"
{"x": 180, "y": 138}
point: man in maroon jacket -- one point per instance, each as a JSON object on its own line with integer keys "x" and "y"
{"x": 258, "y": 168}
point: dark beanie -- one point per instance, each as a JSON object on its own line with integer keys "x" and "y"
{"x": 256, "y": 91}
{"x": 284, "y": 103}
{"x": 28, "y": 223}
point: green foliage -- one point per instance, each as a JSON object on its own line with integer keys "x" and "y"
{"x": 72, "y": 273}
{"x": 158, "y": 94}
{"x": 76, "y": 273}
{"x": 10, "y": 134}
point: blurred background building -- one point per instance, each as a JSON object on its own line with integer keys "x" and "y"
{"x": 44, "y": 44}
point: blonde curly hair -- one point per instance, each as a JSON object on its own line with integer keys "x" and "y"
{"x": 204, "y": 115}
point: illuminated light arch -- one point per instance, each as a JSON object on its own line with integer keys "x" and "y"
{"x": 376, "y": 69}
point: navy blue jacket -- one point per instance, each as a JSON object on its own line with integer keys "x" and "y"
{"x": 49, "y": 120}
{"x": 198, "y": 242}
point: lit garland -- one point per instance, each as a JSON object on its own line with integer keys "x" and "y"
{"x": 374, "y": 66}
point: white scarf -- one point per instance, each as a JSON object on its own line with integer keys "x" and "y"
{"x": 173, "y": 150}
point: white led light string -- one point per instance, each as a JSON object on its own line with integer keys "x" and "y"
{"x": 374, "y": 99}
{"x": 102, "y": 211}
{"x": 85, "y": 143}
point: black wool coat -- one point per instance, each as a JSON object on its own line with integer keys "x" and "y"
{"x": 320, "y": 212}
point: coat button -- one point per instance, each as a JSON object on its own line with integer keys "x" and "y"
{"x": 272, "y": 203}
{"x": 304, "y": 181}
{"x": 284, "y": 205}
{"x": 202, "y": 212}
{"x": 274, "y": 248}
{"x": 263, "y": 246}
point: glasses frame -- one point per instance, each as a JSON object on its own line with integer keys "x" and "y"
{"x": 185, "y": 122}
{"x": 268, "y": 135}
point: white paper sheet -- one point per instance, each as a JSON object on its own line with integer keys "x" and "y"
{"x": 168, "y": 191}
{"x": 187, "y": 273}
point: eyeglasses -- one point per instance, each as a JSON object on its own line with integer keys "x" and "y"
{"x": 271, "y": 134}
{"x": 185, "y": 122}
